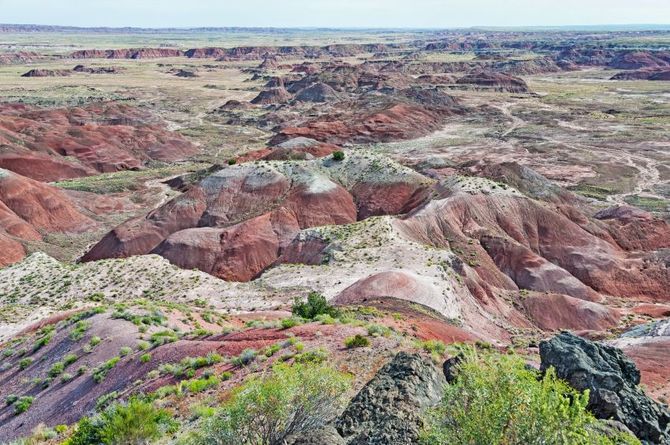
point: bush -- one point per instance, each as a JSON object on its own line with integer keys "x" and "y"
{"x": 269, "y": 408}
{"x": 69, "y": 359}
{"x": 357, "y": 341}
{"x": 232, "y": 161}
{"x": 24, "y": 363}
{"x": 338, "y": 155}
{"x": 145, "y": 358}
{"x": 434, "y": 347}
{"x": 22, "y": 404}
{"x": 496, "y": 400}
{"x": 100, "y": 372}
{"x": 247, "y": 356}
{"x": 288, "y": 323}
{"x": 56, "y": 369}
{"x": 125, "y": 350}
{"x": 79, "y": 330}
{"x": 315, "y": 305}
{"x": 135, "y": 422}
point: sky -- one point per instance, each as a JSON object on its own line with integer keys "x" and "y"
{"x": 334, "y": 13}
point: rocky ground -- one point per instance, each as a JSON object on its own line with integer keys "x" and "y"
{"x": 170, "y": 201}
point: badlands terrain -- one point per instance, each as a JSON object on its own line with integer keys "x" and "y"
{"x": 168, "y": 195}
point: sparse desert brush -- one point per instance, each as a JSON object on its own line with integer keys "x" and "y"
{"x": 286, "y": 401}
{"x": 357, "y": 341}
{"x": 246, "y": 357}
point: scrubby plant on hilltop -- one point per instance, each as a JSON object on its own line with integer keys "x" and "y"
{"x": 315, "y": 305}
{"x": 268, "y": 409}
{"x": 338, "y": 155}
{"x": 497, "y": 400}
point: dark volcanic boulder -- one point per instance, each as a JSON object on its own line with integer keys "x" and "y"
{"x": 387, "y": 410}
{"x": 612, "y": 379}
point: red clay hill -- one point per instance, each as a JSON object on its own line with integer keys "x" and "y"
{"x": 50, "y": 144}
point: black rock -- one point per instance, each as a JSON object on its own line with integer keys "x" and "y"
{"x": 387, "y": 410}
{"x": 612, "y": 379}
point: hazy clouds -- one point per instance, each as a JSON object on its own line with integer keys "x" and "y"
{"x": 334, "y": 13}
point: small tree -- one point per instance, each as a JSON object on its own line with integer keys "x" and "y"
{"x": 338, "y": 155}
{"x": 315, "y": 305}
{"x": 268, "y": 409}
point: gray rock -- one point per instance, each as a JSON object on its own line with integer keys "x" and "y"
{"x": 387, "y": 410}
{"x": 612, "y": 379}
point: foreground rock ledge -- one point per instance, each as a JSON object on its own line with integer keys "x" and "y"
{"x": 612, "y": 379}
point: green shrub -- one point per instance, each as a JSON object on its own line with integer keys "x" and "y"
{"x": 288, "y": 323}
{"x": 315, "y": 356}
{"x": 232, "y": 161}
{"x": 56, "y": 369}
{"x": 143, "y": 345}
{"x": 434, "y": 347}
{"x": 100, "y": 372}
{"x": 135, "y": 422}
{"x": 247, "y": 356}
{"x": 11, "y": 398}
{"x": 357, "y": 341}
{"x": 69, "y": 359}
{"x": 125, "y": 350}
{"x": 163, "y": 337}
{"x": 315, "y": 305}
{"x": 145, "y": 358}
{"x": 66, "y": 377}
{"x": 201, "y": 384}
{"x": 226, "y": 375}
{"x": 25, "y": 362}
{"x": 338, "y": 155}
{"x": 269, "y": 408}
{"x": 377, "y": 330}
{"x": 22, "y": 404}
{"x": 95, "y": 341}
{"x": 496, "y": 400}
{"x": 79, "y": 330}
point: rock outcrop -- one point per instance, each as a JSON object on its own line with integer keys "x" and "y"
{"x": 387, "y": 410}
{"x": 37, "y": 72}
{"x": 612, "y": 379}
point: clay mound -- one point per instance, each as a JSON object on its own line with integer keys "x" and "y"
{"x": 658, "y": 74}
{"x": 540, "y": 248}
{"x": 102, "y": 137}
{"x": 269, "y": 63}
{"x": 494, "y": 81}
{"x": 432, "y": 98}
{"x": 229, "y": 211}
{"x": 637, "y": 60}
{"x": 399, "y": 284}
{"x": 43, "y": 207}
{"x": 97, "y": 70}
{"x": 635, "y": 229}
{"x": 21, "y": 57}
{"x": 45, "y": 73}
{"x": 126, "y": 53}
{"x": 235, "y": 105}
{"x": 272, "y": 96}
{"x": 437, "y": 79}
{"x": 184, "y": 73}
{"x": 663, "y": 75}
{"x": 11, "y": 251}
{"x": 319, "y": 92}
{"x": 43, "y": 167}
{"x": 553, "y": 312}
{"x": 236, "y": 222}
{"x": 395, "y": 122}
